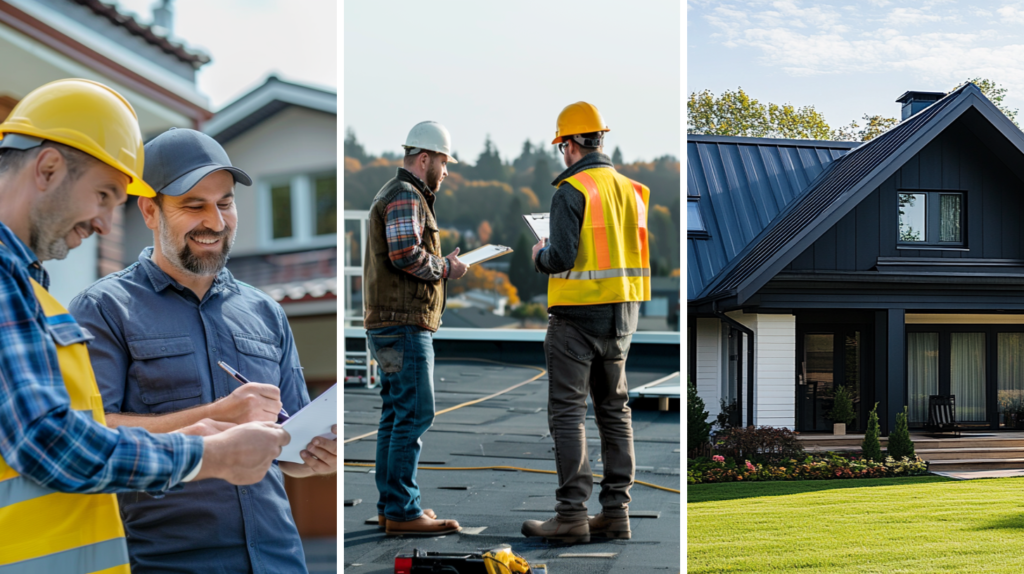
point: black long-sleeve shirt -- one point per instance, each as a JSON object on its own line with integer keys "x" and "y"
{"x": 567, "y": 209}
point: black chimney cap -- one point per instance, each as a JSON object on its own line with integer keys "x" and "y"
{"x": 921, "y": 96}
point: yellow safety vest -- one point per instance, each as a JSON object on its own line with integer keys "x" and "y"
{"x": 42, "y": 530}
{"x": 613, "y": 263}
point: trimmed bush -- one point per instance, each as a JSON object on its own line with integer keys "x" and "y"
{"x": 698, "y": 427}
{"x": 900, "y": 444}
{"x": 842, "y": 410}
{"x": 871, "y": 446}
{"x": 760, "y": 444}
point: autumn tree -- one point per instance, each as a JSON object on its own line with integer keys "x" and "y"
{"x": 483, "y": 231}
{"x": 484, "y": 279}
{"x": 996, "y": 93}
{"x": 874, "y": 126}
{"x": 737, "y": 114}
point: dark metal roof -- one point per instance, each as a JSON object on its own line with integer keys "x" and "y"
{"x": 743, "y": 184}
{"x": 839, "y": 188}
{"x": 196, "y": 58}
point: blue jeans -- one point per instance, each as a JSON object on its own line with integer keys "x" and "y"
{"x": 406, "y": 357}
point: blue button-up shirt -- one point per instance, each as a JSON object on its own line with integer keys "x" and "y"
{"x": 41, "y": 437}
{"x": 155, "y": 352}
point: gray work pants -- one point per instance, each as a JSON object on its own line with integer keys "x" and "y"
{"x": 580, "y": 364}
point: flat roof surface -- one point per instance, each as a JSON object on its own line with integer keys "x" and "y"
{"x": 491, "y": 505}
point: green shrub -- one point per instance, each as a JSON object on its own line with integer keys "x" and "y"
{"x": 900, "y": 444}
{"x": 698, "y": 427}
{"x": 759, "y": 444}
{"x": 842, "y": 410}
{"x": 871, "y": 446}
{"x": 728, "y": 414}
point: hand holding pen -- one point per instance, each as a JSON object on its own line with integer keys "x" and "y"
{"x": 246, "y": 403}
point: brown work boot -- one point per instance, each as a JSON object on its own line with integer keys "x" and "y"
{"x": 382, "y": 522}
{"x": 611, "y": 527}
{"x": 555, "y": 528}
{"x": 422, "y": 526}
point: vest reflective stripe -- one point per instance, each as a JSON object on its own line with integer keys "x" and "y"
{"x": 102, "y": 558}
{"x": 613, "y": 260}
{"x": 42, "y": 530}
{"x": 605, "y": 274}
{"x": 596, "y": 220}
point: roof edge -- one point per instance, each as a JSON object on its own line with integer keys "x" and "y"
{"x": 705, "y": 138}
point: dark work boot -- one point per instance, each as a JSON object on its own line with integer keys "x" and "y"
{"x": 554, "y": 528}
{"x": 609, "y": 527}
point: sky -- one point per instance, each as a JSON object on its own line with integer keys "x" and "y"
{"x": 508, "y": 68}
{"x": 855, "y": 57}
{"x": 249, "y": 39}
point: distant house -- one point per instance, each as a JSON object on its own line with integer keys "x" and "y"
{"x": 893, "y": 267}
{"x": 46, "y": 40}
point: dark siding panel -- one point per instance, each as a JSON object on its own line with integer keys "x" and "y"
{"x": 993, "y": 225}
{"x": 867, "y": 231}
{"x": 909, "y": 173}
{"x": 951, "y": 158}
{"x": 805, "y": 261}
{"x": 825, "y": 251}
{"x": 931, "y": 165}
{"x": 1011, "y": 204}
{"x": 974, "y": 199}
{"x": 887, "y": 216}
{"x": 846, "y": 242}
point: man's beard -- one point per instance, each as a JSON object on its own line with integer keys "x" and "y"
{"x": 433, "y": 180}
{"x": 47, "y": 221}
{"x": 184, "y": 259}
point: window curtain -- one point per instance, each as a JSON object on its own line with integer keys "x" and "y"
{"x": 967, "y": 375}
{"x": 949, "y": 222}
{"x": 1010, "y": 369}
{"x": 922, "y": 374}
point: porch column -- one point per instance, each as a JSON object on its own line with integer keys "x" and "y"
{"x": 881, "y": 370}
{"x": 896, "y": 357}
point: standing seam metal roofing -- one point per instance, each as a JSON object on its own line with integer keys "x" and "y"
{"x": 823, "y": 193}
{"x": 744, "y": 184}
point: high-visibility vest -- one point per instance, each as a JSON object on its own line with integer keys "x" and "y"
{"x": 613, "y": 263}
{"x": 42, "y": 530}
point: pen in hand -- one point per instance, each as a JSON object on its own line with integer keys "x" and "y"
{"x": 281, "y": 416}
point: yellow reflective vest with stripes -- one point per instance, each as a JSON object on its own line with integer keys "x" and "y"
{"x": 613, "y": 263}
{"x": 42, "y": 530}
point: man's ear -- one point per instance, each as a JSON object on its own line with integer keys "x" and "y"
{"x": 150, "y": 212}
{"x": 48, "y": 169}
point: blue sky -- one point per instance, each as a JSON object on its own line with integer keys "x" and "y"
{"x": 849, "y": 58}
{"x": 508, "y": 68}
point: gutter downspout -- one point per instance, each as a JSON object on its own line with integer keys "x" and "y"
{"x": 750, "y": 357}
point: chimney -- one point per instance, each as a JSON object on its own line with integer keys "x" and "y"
{"x": 914, "y": 102}
{"x": 163, "y": 16}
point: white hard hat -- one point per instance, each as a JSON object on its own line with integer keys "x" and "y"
{"x": 430, "y": 136}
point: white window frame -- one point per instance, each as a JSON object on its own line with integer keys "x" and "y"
{"x": 303, "y": 215}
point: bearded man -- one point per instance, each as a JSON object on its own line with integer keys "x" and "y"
{"x": 161, "y": 326}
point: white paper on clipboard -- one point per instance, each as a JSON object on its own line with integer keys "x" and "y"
{"x": 540, "y": 224}
{"x": 312, "y": 420}
{"x": 485, "y": 253}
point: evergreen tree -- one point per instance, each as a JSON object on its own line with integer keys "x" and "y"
{"x": 900, "y": 444}
{"x": 617, "y": 156}
{"x": 541, "y": 185}
{"x": 354, "y": 149}
{"x": 521, "y": 272}
{"x": 489, "y": 166}
{"x": 871, "y": 446}
{"x": 698, "y": 427}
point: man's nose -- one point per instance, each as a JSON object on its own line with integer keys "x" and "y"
{"x": 214, "y": 219}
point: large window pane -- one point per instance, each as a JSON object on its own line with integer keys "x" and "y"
{"x": 949, "y": 217}
{"x": 912, "y": 216}
{"x": 1010, "y": 373}
{"x": 922, "y": 374}
{"x": 967, "y": 375}
{"x": 281, "y": 211}
{"x": 326, "y": 204}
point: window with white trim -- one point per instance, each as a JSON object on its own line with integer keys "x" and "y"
{"x": 299, "y": 210}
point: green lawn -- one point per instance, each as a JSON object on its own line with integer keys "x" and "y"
{"x": 913, "y": 525}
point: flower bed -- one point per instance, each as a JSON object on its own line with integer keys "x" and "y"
{"x": 831, "y": 466}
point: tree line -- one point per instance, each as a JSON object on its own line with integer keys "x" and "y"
{"x": 484, "y": 201}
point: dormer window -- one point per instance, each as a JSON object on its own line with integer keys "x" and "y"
{"x": 930, "y": 218}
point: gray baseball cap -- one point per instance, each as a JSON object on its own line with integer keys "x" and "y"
{"x": 178, "y": 159}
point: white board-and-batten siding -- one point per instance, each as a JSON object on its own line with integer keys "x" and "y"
{"x": 709, "y": 367}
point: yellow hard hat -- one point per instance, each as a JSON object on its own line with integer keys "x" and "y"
{"x": 87, "y": 116}
{"x": 578, "y": 118}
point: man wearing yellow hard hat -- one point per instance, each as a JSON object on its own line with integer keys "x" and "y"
{"x": 71, "y": 151}
{"x": 598, "y": 268}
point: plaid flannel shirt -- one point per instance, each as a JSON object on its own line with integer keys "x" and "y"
{"x": 41, "y": 437}
{"x": 404, "y": 230}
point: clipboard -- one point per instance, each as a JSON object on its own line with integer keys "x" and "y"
{"x": 539, "y": 224}
{"x": 485, "y": 253}
{"x": 312, "y": 420}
